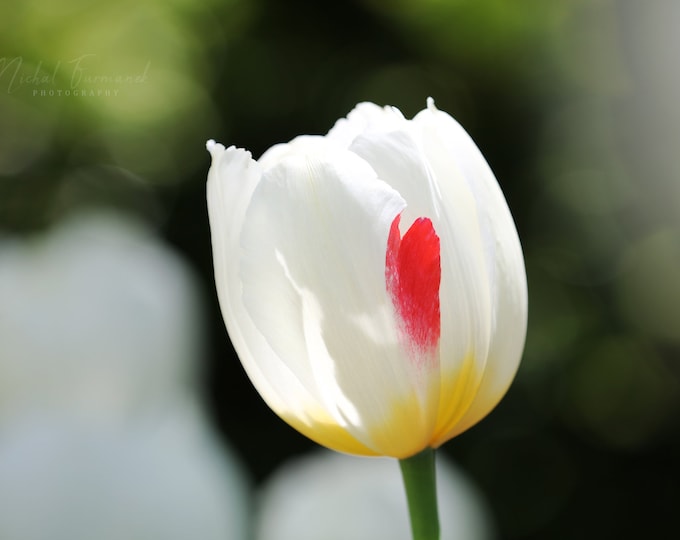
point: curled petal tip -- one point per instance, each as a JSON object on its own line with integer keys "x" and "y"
{"x": 214, "y": 148}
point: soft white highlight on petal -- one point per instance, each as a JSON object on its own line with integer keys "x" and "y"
{"x": 337, "y": 497}
{"x": 233, "y": 177}
{"x": 304, "y": 144}
{"x": 313, "y": 277}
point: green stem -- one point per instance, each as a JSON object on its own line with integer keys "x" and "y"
{"x": 418, "y": 473}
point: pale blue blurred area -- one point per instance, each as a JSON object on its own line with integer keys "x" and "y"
{"x": 170, "y": 480}
{"x": 334, "y": 496}
{"x": 103, "y": 432}
{"x": 97, "y": 319}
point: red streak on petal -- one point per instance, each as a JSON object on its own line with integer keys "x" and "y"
{"x": 413, "y": 276}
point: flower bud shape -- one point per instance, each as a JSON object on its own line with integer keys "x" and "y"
{"x": 371, "y": 280}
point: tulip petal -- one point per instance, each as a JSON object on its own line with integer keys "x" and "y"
{"x": 364, "y": 117}
{"x": 400, "y": 159}
{"x": 451, "y": 153}
{"x": 232, "y": 179}
{"x": 303, "y": 144}
{"x": 313, "y": 278}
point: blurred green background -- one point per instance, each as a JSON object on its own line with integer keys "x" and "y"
{"x": 574, "y": 104}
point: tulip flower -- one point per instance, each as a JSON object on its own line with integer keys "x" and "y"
{"x": 371, "y": 280}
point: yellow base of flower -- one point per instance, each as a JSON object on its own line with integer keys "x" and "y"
{"x": 408, "y": 430}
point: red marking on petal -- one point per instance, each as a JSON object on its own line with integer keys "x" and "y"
{"x": 413, "y": 276}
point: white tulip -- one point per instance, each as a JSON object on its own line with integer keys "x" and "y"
{"x": 371, "y": 280}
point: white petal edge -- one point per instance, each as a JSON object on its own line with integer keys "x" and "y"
{"x": 365, "y": 117}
